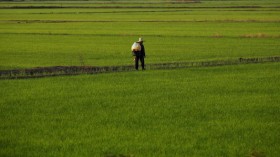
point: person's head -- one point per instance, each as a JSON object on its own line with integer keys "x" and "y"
{"x": 140, "y": 40}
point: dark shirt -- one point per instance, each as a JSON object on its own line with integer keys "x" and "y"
{"x": 142, "y": 50}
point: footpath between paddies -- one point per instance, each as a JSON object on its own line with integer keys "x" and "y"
{"x": 77, "y": 70}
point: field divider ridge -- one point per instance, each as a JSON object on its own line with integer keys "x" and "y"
{"x": 39, "y": 72}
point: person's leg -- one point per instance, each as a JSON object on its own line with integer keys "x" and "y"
{"x": 142, "y": 62}
{"x": 136, "y": 62}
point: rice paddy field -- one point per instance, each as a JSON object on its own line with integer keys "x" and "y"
{"x": 36, "y": 34}
{"x": 203, "y": 111}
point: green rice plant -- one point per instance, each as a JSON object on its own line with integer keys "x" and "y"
{"x": 214, "y": 111}
{"x": 27, "y": 51}
{"x": 102, "y": 36}
{"x": 217, "y": 111}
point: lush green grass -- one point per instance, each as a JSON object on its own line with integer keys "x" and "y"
{"x": 133, "y": 28}
{"x": 143, "y": 3}
{"x": 79, "y": 36}
{"x": 51, "y": 50}
{"x": 218, "y": 111}
{"x": 136, "y": 14}
{"x": 25, "y": 45}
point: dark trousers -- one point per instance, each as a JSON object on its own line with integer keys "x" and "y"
{"x": 141, "y": 58}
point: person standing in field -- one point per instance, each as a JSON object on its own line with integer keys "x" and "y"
{"x": 140, "y": 55}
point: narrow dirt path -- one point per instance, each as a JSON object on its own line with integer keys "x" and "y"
{"x": 76, "y": 70}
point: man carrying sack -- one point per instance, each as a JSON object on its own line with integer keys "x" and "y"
{"x": 138, "y": 50}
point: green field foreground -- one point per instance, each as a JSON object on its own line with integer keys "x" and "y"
{"x": 215, "y": 111}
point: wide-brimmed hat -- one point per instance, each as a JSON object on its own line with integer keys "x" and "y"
{"x": 140, "y": 40}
